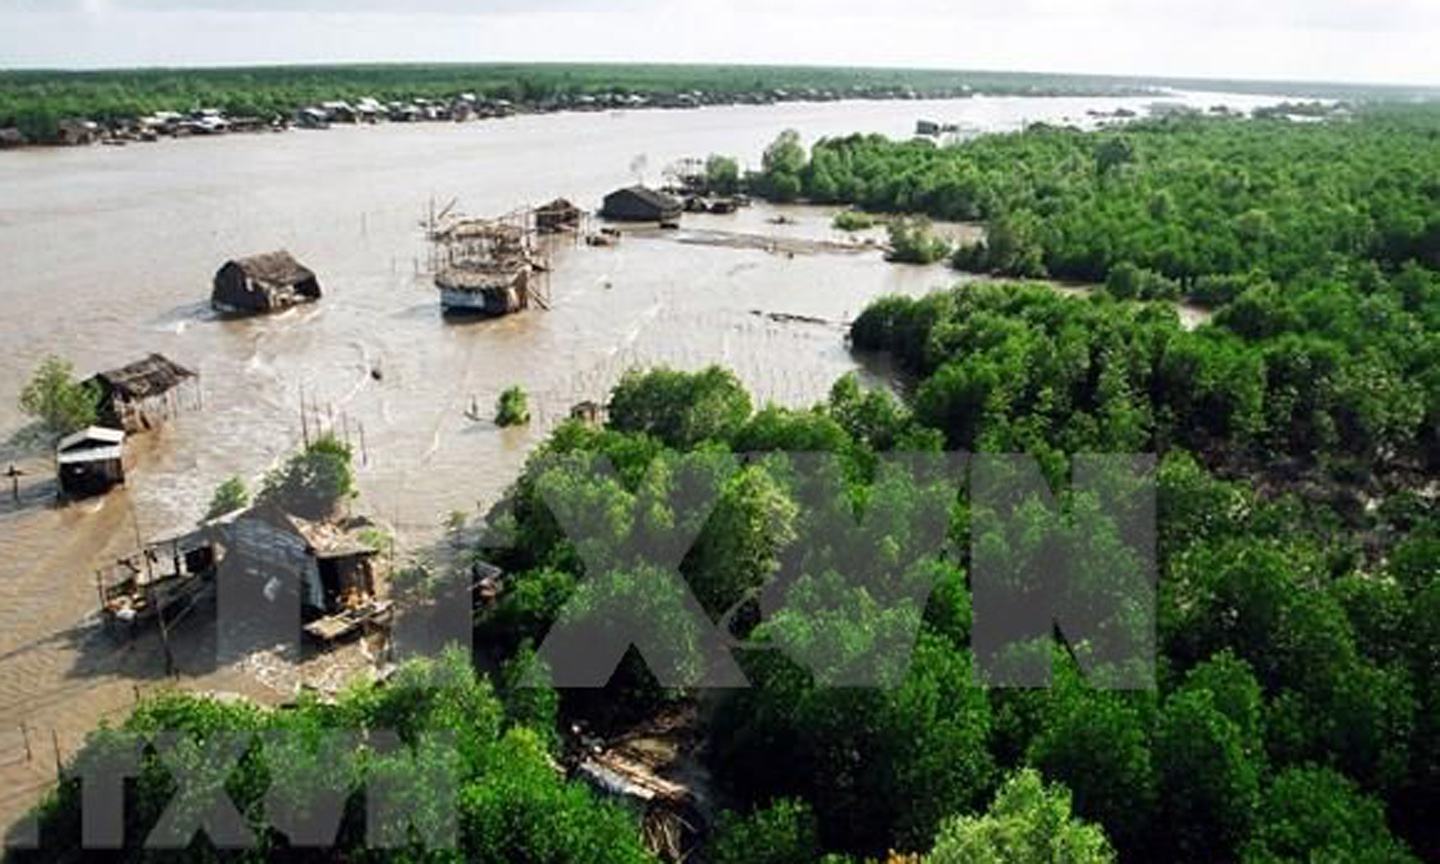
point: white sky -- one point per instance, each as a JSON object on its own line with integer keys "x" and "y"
{"x": 1329, "y": 40}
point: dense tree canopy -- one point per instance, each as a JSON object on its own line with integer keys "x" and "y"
{"x": 512, "y": 806}
{"x": 834, "y": 556}
{"x": 1204, "y": 206}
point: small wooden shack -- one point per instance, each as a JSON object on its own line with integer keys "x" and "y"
{"x": 263, "y": 283}
{"x": 91, "y": 462}
{"x": 326, "y": 564}
{"x": 641, "y": 204}
{"x": 138, "y": 396}
{"x": 589, "y": 412}
{"x": 558, "y": 216}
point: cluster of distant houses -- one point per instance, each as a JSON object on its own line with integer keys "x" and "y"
{"x": 460, "y": 108}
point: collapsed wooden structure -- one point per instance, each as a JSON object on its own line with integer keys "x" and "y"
{"x": 669, "y": 819}
{"x": 651, "y": 770}
{"x": 263, "y": 283}
{"x": 160, "y": 583}
{"x": 138, "y": 396}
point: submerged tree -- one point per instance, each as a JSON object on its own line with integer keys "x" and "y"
{"x": 313, "y": 482}
{"x": 513, "y": 409}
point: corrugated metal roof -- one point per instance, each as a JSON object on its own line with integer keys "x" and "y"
{"x": 90, "y": 437}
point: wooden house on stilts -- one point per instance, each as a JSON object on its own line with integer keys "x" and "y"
{"x": 488, "y": 267}
{"x": 138, "y": 396}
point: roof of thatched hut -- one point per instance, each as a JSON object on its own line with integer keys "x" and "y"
{"x": 558, "y": 206}
{"x": 275, "y": 268}
{"x": 153, "y": 376}
{"x": 653, "y": 197}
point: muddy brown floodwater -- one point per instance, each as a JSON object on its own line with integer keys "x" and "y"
{"x": 106, "y": 255}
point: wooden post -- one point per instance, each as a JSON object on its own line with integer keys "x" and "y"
{"x": 14, "y": 474}
{"x": 304, "y": 421}
{"x": 59, "y": 764}
{"x": 25, "y": 734}
{"x": 364, "y": 453}
{"x": 164, "y": 633}
{"x": 100, "y": 592}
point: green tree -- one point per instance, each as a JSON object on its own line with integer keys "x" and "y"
{"x": 229, "y": 497}
{"x": 782, "y": 833}
{"x": 1208, "y": 780}
{"x": 781, "y": 166}
{"x": 913, "y": 241}
{"x": 681, "y": 409}
{"x": 1027, "y": 824}
{"x": 1097, "y": 743}
{"x": 722, "y": 175}
{"x": 313, "y": 482}
{"x": 513, "y": 408}
{"x": 1315, "y": 814}
{"x": 57, "y": 400}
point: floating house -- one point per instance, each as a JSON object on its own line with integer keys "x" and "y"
{"x": 137, "y": 397}
{"x": 91, "y": 462}
{"x": 558, "y": 216}
{"x": 641, "y": 204}
{"x": 263, "y": 283}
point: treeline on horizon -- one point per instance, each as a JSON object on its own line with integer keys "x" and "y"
{"x": 34, "y": 101}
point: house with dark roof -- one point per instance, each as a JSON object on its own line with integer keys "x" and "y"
{"x": 263, "y": 283}
{"x": 641, "y": 204}
{"x": 138, "y": 396}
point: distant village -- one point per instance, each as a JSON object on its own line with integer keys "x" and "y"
{"x": 461, "y": 108}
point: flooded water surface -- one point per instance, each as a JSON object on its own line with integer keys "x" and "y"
{"x": 107, "y": 255}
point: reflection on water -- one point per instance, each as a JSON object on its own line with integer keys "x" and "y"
{"x": 108, "y": 255}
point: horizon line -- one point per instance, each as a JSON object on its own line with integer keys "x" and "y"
{"x": 620, "y": 64}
